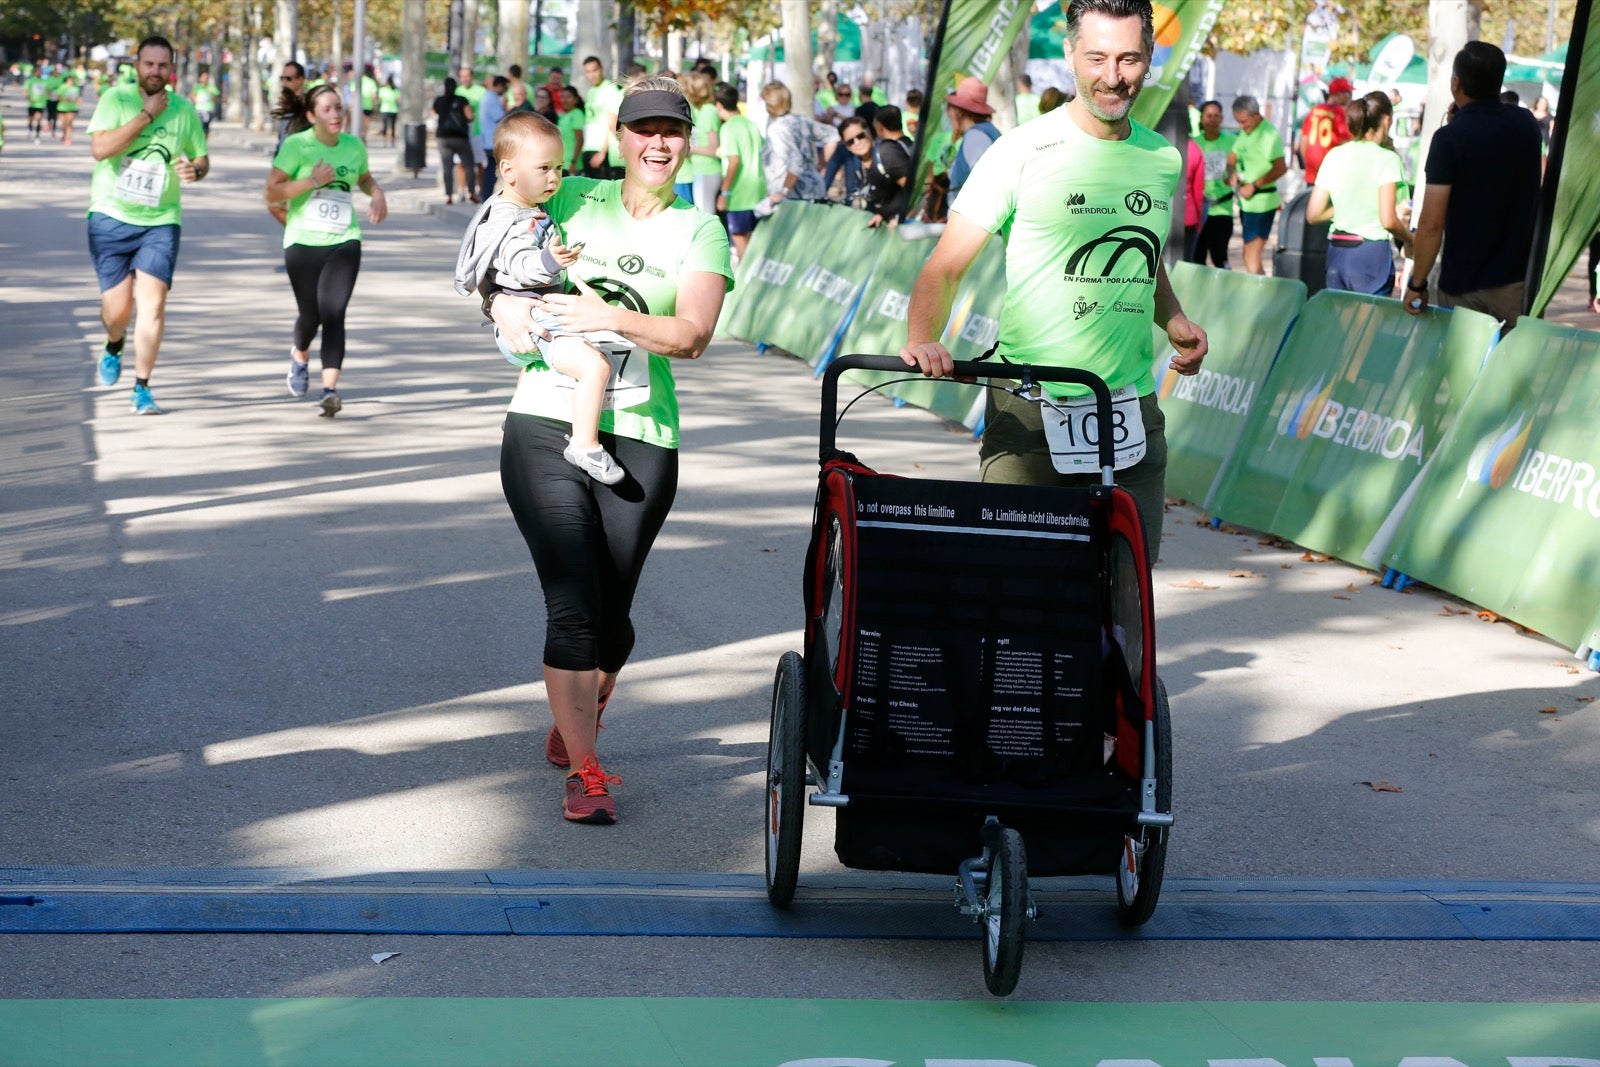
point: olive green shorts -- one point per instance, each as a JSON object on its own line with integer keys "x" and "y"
{"x": 1014, "y": 451}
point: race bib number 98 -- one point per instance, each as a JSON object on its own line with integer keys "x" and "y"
{"x": 329, "y": 210}
{"x": 1072, "y": 429}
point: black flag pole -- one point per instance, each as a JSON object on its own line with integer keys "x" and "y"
{"x": 923, "y": 114}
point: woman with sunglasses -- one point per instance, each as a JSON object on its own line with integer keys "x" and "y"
{"x": 314, "y": 173}
{"x": 654, "y": 270}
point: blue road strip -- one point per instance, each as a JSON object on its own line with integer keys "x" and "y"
{"x": 53, "y": 900}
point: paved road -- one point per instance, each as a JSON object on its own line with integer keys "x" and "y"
{"x": 240, "y": 636}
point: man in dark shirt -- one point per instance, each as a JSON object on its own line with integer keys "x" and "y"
{"x": 1482, "y": 195}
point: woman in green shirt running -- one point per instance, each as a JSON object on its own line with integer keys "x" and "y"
{"x": 314, "y": 171}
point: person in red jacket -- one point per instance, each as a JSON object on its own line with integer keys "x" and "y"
{"x": 1194, "y": 195}
{"x": 1324, "y": 127}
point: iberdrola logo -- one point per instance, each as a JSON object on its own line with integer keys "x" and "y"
{"x": 1169, "y": 29}
{"x": 1300, "y": 413}
{"x": 1168, "y": 381}
{"x": 1497, "y": 455}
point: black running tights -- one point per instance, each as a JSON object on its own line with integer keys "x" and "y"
{"x": 589, "y": 541}
{"x": 323, "y": 279}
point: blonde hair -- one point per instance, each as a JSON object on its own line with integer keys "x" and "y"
{"x": 520, "y": 129}
{"x": 776, "y": 96}
{"x": 645, "y": 83}
{"x": 697, "y": 87}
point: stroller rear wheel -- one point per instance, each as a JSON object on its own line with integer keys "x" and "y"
{"x": 1139, "y": 876}
{"x": 786, "y": 779}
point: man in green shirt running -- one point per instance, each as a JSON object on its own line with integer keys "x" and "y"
{"x": 743, "y": 183}
{"x": 1257, "y": 163}
{"x": 146, "y": 141}
{"x": 37, "y": 89}
{"x": 600, "y": 130}
{"x": 1082, "y": 198}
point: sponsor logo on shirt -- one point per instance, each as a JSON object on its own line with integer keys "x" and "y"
{"x": 620, "y": 293}
{"x": 1074, "y": 200}
{"x": 1127, "y": 308}
{"x": 1083, "y": 307}
{"x": 630, "y": 264}
{"x": 1124, "y": 247}
{"x": 1138, "y": 202}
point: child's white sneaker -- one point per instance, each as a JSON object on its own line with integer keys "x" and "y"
{"x": 597, "y": 464}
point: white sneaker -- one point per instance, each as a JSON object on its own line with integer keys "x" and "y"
{"x": 597, "y": 464}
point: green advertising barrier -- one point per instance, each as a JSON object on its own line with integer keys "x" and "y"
{"x": 879, "y": 326}
{"x": 1245, "y": 317}
{"x": 1508, "y": 515}
{"x": 1357, "y": 401}
{"x": 763, "y": 274}
{"x": 974, "y": 325}
{"x": 807, "y": 278}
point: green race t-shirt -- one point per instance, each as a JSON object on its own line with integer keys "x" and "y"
{"x": 1215, "y": 154}
{"x": 1027, "y": 107}
{"x": 636, "y": 263}
{"x": 571, "y": 124}
{"x": 70, "y": 96}
{"x": 1255, "y": 152}
{"x": 474, "y": 96}
{"x": 369, "y": 93}
{"x": 741, "y": 137}
{"x": 313, "y": 216}
{"x": 205, "y": 98}
{"x": 388, "y": 100}
{"x": 53, "y": 85}
{"x": 1083, "y": 221}
{"x": 38, "y": 91}
{"x": 706, "y": 123}
{"x": 139, "y": 187}
{"x": 1352, "y": 174}
{"x": 603, "y": 101}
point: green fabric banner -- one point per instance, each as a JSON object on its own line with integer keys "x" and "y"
{"x": 974, "y": 325}
{"x": 879, "y": 327}
{"x": 1577, "y": 208}
{"x": 804, "y": 282}
{"x": 1358, "y": 399}
{"x": 1246, "y": 317}
{"x": 1181, "y": 31}
{"x": 1508, "y": 515}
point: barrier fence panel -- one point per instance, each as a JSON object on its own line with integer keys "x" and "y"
{"x": 808, "y": 278}
{"x": 974, "y": 325}
{"x": 1245, "y": 317}
{"x": 1508, "y": 516}
{"x": 879, "y": 327}
{"x": 763, "y": 275}
{"x": 1357, "y": 400}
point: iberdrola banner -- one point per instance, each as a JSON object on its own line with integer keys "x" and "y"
{"x": 1181, "y": 31}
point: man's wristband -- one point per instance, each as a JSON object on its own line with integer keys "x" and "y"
{"x": 1415, "y": 288}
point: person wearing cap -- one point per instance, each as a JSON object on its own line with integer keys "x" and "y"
{"x": 1082, "y": 199}
{"x": 1324, "y": 127}
{"x": 968, "y": 110}
{"x": 654, "y": 270}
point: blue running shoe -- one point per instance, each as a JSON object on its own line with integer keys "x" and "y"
{"x": 330, "y": 403}
{"x": 110, "y": 368}
{"x": 143, "y": 402}
{"x": 299, "y": 378}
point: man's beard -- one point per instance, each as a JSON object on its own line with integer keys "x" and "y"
{"x": 1092, "y": 103}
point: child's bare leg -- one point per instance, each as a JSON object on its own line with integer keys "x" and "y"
{"x": 581, "y": 361}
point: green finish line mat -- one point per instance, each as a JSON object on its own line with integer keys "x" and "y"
{"x": 64, "y": 900}
{"x": 791, "y": 1033}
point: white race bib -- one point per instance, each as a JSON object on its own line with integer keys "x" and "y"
{"x": 549, "y": 394}
{"x": 141, "y": 182}
{"x": 1216, "y": 166}
{"x": 329, "y": 210}
{"x": 1072, "y": 428}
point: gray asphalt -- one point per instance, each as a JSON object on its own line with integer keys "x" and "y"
{"x": 240, "y": 635}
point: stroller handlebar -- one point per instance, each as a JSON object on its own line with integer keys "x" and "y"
{"x": 966, "y": 369}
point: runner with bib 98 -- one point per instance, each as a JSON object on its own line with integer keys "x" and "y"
{"x": 1082, "y": 197}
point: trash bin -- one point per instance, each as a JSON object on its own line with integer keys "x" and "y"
{"x": 1302, "y": 247}
{"x": 416, "y": 147}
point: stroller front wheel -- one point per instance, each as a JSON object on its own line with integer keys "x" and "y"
{"x": 786, "y": 779}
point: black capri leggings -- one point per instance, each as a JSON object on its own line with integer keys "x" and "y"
{"x": 323, "y": 279}
{"x": 1212, "y": 243}
{"x": 589, "y": 541}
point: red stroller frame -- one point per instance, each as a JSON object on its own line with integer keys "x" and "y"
{"x": 979, "y": 670}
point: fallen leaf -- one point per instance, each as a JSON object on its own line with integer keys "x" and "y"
{"x": 1586, "y": 700}
{"x": 1266, "y": 540}
{"x": 1569, "y": 668}
{"x": 769, "y": 550}
{"x": 1488, "y": 616}
{"x": 1549, "y": 711}
{"x": 1395, "y": 648}
{"x": 1192, "y": 583}
{"x": 1315, "y": 557}
{"x": 1201, "y": 522}
{"x": 1245, "y": 574}
{"x": 1306, "y": 556}
{"x": 1351, "y": 588}
{"x": 1382, "y": 787}
{"x": 1445, "y": 612}
{"x": 1339, "y": 596}
{"x": 1286, "y": 566}
{"x": 919, "y": 466}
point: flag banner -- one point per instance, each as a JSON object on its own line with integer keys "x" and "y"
{"x": 1577, "y": 206}
{"x": 1181, "y": 31}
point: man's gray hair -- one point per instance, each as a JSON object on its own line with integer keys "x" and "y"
{"x": 1117, "y": 9}
{"x": 1248, "y": 104}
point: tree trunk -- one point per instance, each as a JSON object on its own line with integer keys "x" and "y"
{"x": 1451, "y": 24}
{"x": 593, "y": 39}
{"x": 238, "y": 77}
{"x": 674, "y": 51}
{"x": 511, "y": 44}
{"x": 1003, "y": 91}
{"x": 336, "y": 69}
{"x": 627, "y": 25}
{"x": 469, "y": 33}
{"x": 797, "y": 55}
{"x": 287, "y": 34}
{"x": 827, "y": 38}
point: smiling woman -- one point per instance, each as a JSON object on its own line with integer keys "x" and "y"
{"x": 654, "y": 270}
